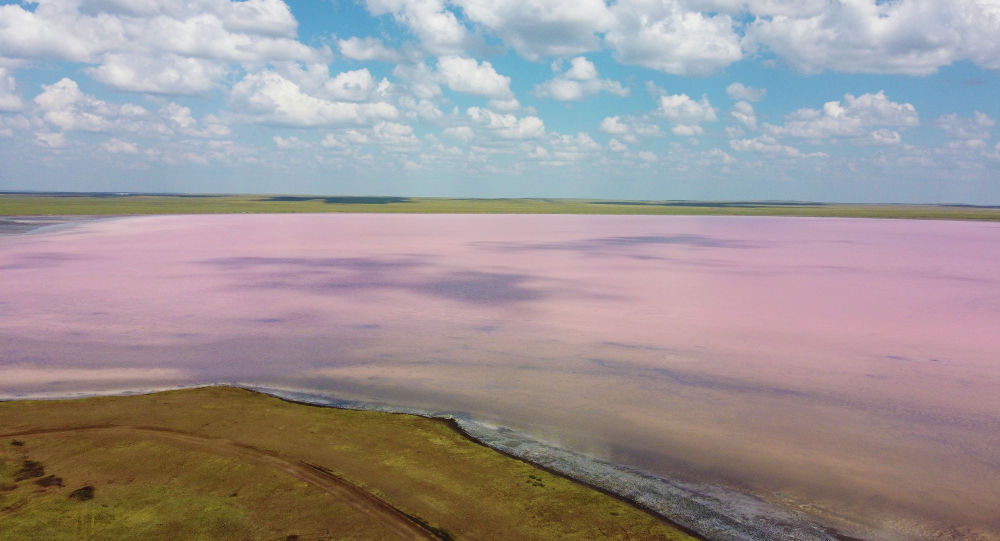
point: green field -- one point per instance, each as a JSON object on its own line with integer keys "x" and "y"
{"x": 125, "y": 204}
{"x": 226, "y": 463}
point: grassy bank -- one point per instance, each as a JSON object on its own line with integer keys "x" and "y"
{"x": 118, "y": 204}
{"x": 225, "y": 463}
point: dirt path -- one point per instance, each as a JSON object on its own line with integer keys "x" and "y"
{"x": 405, "y": 526}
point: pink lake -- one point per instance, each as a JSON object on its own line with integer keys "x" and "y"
{"x": 846, "y": 369}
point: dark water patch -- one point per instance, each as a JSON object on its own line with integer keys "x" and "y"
{"x": 39, "y": 260}
{"x": 602, "y": 244}
{"x": 480, "y": 287}
{"x": 473, "y": 287}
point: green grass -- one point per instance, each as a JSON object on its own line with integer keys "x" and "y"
{"x": 186, "y": 465}
{"x": 111, "y": 204}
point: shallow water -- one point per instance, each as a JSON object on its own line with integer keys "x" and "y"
{"x": 846, "y": 368}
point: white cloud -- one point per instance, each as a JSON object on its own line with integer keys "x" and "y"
{"x": 744, "y": 113}
{"x": 506, "y": 125}
{"x": 542, "y": 29}
{"x": 463, "y": 133}
{"x": 505, "y": 106}
{"x": 438, "y": 29}
{"x": 270, "y": 98}
{"x": 10, "y": 99}
{"x": 179, "y": 118}
{"x": 719, "y": 155}
{"x": 368, "y": 49}
{"x": 51, "y": 139}
{"x": 687, "y": 130}
{"x": 617, "y": 146}
{"x": 55, "y": 30}
{"x": 394, "y": 133}
{"x": 886, "y": 136}
{"x": 847, "y": 118}
{"x": 913, "y": 37}
{"x": 978, "y": 127}
{"x": 581, "y": 80}
{"x": 166, "y": 74}
{"x": 739, "y": 91}
{"x": 629, "y": 126}
{"x": 117, "y": 146}
{"x": 648, "y": 157}
{"x": 64, "y": 106}
{"x": 356, "y": 85}
{"x": 769, "y": 145}
{"x": 423, "y": 109}
{"x": 668, "y": 37}
{"x": 285, "y": 143}
{"x": 421, "y": 80}
{"x": 681, "y": 109}
{"x": 471, "y": 77}
{"x": 614, "y": 125}
{"x": 566, "y": 149}
{"x": 155, "y": 46}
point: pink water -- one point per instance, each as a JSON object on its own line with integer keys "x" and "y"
{"x": 847, "y": 368}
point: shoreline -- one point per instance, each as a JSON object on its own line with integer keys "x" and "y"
{"x": 705, "y": 511}
{"x": 701, "y": 510}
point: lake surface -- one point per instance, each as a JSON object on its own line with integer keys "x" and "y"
{"x": 845, "y": 368}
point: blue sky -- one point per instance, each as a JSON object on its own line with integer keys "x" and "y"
{"x": 852, "y": 100}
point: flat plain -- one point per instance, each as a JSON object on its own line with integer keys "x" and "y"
{"x": 34, "y": 204}
{"x": 226, "y": 463}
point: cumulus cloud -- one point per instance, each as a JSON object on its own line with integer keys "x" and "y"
{"x": 629, "y": 126}
{"x": 568, "y": 149}
{"x": 505, "y": 106}
{"x": 885, "y": 136}
{"x": 438, "y": 29}
{"x": 744, "y": 113}
{"x": 394, "y": 134}
{"x": 165, "y": 74}
{"x": 613, "y": 125}
{"x": 769, "y": 145}
{"x": 580, "y": 81}
{"x": 471, "y": 77}
{"x": 155, "y": 46}
{"x": 356, "y": 85}
{"x": 686, "y": 114}
{"x": 682, "y": 109}
{"x": 969, "y": 129}
{"x": 367, "y": 49}
{"x": 421, "y": 80}
{"x": 10, "y": 99}
{"x": 719, "y": 156}
{"x": 913, "y": 37}
{"x": 687, "y": 130}
{"x": 739, "y": 91}
{"x": 270, "y": 98}
{"x": 648, "y": 157}
{"x": 51, "y": 139}
{"x": 847, "y": 118}
{"x": 117, "y": 146}
{"x": 64, "y": 106}
{"x": 506, "y": 125}
{"x": 463, "y": 133}
{"x": 667, "y": 36}
{"x": 542, "y": 29}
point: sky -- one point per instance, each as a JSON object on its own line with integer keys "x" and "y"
{"x": 818, "y": 100}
